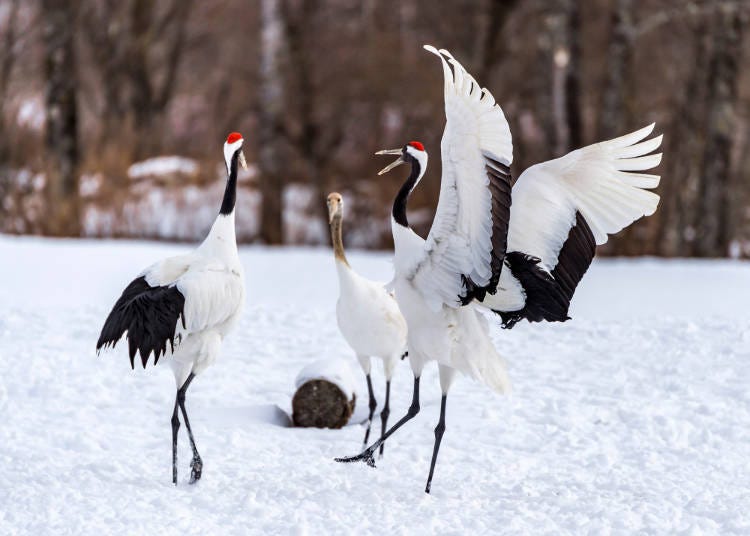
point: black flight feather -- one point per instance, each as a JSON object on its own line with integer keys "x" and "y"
{"x": 548, "y": 295}
{"x": 500, "y": 187}
{"x": 149, "y": 315}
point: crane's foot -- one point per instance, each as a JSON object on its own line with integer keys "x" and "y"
{"x": 196, "y": 469}
{"x": 366, "y": 456}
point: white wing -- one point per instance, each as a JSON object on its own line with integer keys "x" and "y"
{"x": 466, "y": 245}
{"x": 167, "y": 271}
{"x": 595, "y": 181}
{"x": 214, "y": 293}
{"x": 561, "y": 210}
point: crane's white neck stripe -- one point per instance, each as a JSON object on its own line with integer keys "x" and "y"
{"x": 229, "y": 150}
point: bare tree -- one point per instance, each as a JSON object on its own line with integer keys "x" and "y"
{"x": 712, "y": 216}
{"x": 491, "y": 44}
{"x": 683, "y": 145}
{"x": 317, "y": 133}
{"x": 613, "y": 117}
{"x": 8, "y": 56}
{"x": 270, "y": 119}
{"x": 61, "y": 139}
{"x": 137, "y": 49}
{"x": 559, "y": 79}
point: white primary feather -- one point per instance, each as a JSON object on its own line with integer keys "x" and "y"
{"x": 596, "y": 181}
{"x": 460, "y": 240}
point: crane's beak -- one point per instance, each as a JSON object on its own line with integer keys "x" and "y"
{"x": 334, "y": 211}
{"x": 400, "y": 160}
{"x": 243, "y": 162}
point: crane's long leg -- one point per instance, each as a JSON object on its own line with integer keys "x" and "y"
{"x": 367, "y": 454}
{"x": 385, "y": 413}
{"x": 196, "y": 465}
{"x": 373, "y": 405}
{"x": 175, "y": 429}
{"x": 439, "y": 430}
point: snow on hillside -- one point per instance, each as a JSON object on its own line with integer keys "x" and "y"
{"x": 634, "y": 417}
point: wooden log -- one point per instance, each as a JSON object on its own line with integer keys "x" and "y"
{"x": 321, "y": 404}
{"x": 324, "y": 397}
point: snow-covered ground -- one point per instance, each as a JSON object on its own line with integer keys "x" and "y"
{"x": 634, "y": 417}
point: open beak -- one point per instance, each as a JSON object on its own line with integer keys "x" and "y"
{"x": 394, "y": 164}
{"x": 243, "y": 162}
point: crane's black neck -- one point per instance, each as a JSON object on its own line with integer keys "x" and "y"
{"x": 230, "y": 193}
{"x": 399, "y": 204}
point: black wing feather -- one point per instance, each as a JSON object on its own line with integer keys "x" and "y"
{"x": 548, "y": 295}
{"x": 149, "y": 315}
{"x": 500, "y": 187}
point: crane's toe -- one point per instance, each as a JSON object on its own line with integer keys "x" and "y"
{"x": 196, "y": 469}
{"x": 365, "y": 456}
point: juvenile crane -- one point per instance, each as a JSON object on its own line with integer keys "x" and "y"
{"x": 182, "y": 307}
{"x": 368, "y": 317}
{"x": 522, "y": 262}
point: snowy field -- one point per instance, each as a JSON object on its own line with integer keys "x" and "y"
{"x": 633, "y": 418}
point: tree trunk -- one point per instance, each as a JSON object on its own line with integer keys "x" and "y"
{"x": 712, "y": 216}
{"x": 572, "y": 100}
{"x": 270, "y": 122}
{"x": 491, "y": 39}
{"x": 561, "y": 52}
{"x": 61, "y": 137}
{"x": 614, "y": 117}
{"x": 685, "y": 144}
{"x": 7, "y": 61}
{"x": 142, "y": 93}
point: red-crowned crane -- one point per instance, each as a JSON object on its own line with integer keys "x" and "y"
{"x": 368, "y": 317}
{"x": 184, "y": 306}
{"x": 522, "y": 262}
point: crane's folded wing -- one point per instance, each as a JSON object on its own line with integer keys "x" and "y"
{"x": 157, "y": 311}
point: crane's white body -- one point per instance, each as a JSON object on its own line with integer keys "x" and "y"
{"x": 182, "y": 307}
{"x": 369, "y": 320}
{"x": 212, "y": 280}
{"x": 455, "y": 337}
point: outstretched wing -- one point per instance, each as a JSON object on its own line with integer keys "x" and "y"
{"x": 562, "y": 209}
{"x": 597, "y": 181}
{"x": 466, "y": 246}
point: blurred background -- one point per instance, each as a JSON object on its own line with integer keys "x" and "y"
{"x": 113, "y": 112}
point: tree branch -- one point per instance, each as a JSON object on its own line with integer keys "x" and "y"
{"x": 180, "y": 11}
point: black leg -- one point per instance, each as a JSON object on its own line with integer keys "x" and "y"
{"x": 175, "y": 429}
{"x": 385, "y": 413}
{"x": 367, "y": 454}
{"x": 439, "y": 430}
{"x": 373, "y": 405}
{"x": 196, "y": 465}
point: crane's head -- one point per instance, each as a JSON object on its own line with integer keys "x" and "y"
{"x": 335, "y": 206}
{"x": 412, "y": 153}
{"x": 232, "y": 147}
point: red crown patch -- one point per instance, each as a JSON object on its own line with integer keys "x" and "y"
{"x": 233, "y": 137}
